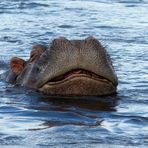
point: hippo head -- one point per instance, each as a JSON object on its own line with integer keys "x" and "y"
{"x": 66, "y": 67}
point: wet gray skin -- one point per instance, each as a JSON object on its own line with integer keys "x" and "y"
{"x": 69, "y": 67}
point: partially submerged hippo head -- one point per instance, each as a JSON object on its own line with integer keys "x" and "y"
{"x": 66, "y": 67}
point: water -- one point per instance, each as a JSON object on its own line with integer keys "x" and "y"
{"x": 29, "y": 119}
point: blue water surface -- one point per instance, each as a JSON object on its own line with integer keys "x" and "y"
{"x": 28, "y": 119}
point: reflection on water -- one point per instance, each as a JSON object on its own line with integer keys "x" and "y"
{"x": 70, "y": 111}
{"x": 92, "y": 103}
{"x": 30, "y": 119}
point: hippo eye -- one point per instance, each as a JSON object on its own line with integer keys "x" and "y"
{"x": 38, "y": 69}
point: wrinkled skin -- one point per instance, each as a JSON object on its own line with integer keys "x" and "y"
{"x": 66, "y": 67}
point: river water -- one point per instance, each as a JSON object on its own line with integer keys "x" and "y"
{"x": 28, "y": 119}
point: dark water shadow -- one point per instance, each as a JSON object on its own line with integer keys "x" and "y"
{"x": 84, "y": 102}
{"x": 73, "y": 111}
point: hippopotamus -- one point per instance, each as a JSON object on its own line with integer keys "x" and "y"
{"x": 66, "y": 67}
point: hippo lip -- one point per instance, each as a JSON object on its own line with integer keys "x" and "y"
{"x": 76, "y": 73}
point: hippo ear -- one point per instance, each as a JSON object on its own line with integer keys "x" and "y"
{"x": 36, "y": 51}
{"x": 17, "y": 65}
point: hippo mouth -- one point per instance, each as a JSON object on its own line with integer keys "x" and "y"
{"x": 76, "y": 73}
{"x": 78, "y": 82}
